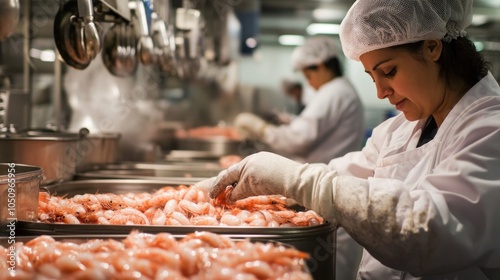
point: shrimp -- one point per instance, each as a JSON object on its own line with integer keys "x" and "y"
{"x": 69, "y": 264}
{"x": 157, "y": 200}
{"x": 285, "y": 216}
{"x": 178, "y": 218}
{"x": 159, "y": 218}
{"x": 49, "y": 270}
{"x": 257, "y": 218}
{"x": 308, "y": 218}
{"x": 164, "y": 241}
{"x": 94, "y": 274}
{"x": 70, "y": 219}
{"x": 212, "y": 239}
{"x": 260, "y": 269}
{"x": 191, "y": 195}
{"x": 161, "y": 257}
{"x": 129, "y": 215}
{"x": 166, "y": 274}
{"x": 170, "y": 206}
{"x": 137, "y": 240}
{"x": 261, "y": 202}
{"x": 230, "y": 220}
{"x": 56, "y": 210}
{"x": 193, "y": 208}
{"x": 204, "y": 221}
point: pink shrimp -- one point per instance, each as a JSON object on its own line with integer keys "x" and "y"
{"x": 261, "y": 202}
{"x": 308, "y": 218}
{"x": 204, "y": 221}
{"x": 164, "y": 241}
{"x": 230, "y": 220}
{"x": 261, "y": 269}
{"x": 194, "y": 208}
{"x": 157, "y": 200}
{"x": 159, "y": 217}
{"x": 212, "y": 239}
{"x": 129, "y": 216}
{"x": 177, "y": 218}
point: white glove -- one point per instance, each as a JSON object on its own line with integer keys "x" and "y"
{"x": 250, "y": 125}
{"x": 270, "y": 174}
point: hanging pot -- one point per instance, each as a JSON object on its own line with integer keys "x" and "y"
{"x": 76, "y": 35}
{"x": 9, "y": 17}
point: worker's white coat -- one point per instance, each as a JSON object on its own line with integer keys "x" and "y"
{"x": 331, "y": 125}
{"x": 431, "y": 212}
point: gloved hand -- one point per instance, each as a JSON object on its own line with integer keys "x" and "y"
{"x": 270, "y": 174}
{"x": 250, "y": 125}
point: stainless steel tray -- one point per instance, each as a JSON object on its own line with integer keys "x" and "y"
{"x": 192, "y": 173}
{"x": 82, "y": 238}
{"x": 319, "y": 241}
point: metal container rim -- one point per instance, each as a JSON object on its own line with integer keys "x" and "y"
{"x": 39, "y": 138}
{"x": 27, "y": 173}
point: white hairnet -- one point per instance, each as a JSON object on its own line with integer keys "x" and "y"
{"x": 314, "y": 51}
{"x": 375, "y": 24}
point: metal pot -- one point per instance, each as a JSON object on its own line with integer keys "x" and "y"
{"x": 98, "y": 149}
{"x": 9, "y": 16}
{"x": 19, "y": 187}
{"x": 55, "y": 153}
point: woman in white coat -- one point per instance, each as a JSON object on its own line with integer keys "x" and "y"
{"x": 332, "y": 123}
{"x": 422, "y": 197}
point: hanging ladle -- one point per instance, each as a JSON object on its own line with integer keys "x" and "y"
{"x": 89, "y": 32}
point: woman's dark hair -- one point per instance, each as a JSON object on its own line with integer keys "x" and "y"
{"x": 459, "y": 60}
{"x": 333, "y": 64}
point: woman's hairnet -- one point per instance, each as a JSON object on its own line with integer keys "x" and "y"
{"x": 314, "y": 51}
{"x": 375, "y": 24}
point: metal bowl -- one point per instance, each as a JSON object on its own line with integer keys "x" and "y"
{"x": 19, "y": 186}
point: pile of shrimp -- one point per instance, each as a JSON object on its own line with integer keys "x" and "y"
{"x": 199, "y": 255}
{"x": 177, "y": 206}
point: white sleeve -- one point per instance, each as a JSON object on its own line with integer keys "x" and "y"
{"x": 317, "y": 120}
{"x": 448, "y": 221}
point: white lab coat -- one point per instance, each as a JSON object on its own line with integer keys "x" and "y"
{"x": 431, "y": 212}
{"x": 331, "y": 125}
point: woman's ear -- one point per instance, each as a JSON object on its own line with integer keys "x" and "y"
{"x": 433, "y": 49}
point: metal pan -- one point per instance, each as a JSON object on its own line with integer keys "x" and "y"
{"x": 319, "y": 241}
{"x": 82, "y": 238}
{"x": 191, "y": 173}
{"x": 216, "y": 145}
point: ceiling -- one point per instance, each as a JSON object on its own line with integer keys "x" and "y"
{"x": 278, "y": 17}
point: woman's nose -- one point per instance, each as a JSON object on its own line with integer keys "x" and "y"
{"x": 383, "y": 90}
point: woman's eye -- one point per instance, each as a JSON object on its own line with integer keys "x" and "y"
{"x": 391, "y": 73}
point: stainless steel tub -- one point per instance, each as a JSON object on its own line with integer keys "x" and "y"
{"x": 319, "y": 241}
{"x": 186, "y": 172}
{"x": 82, "y": 238}
{"x": 19, "y": 186}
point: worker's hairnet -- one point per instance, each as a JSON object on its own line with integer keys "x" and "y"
{"x": 314, "y": 51}
{"x": 375, "y": 24}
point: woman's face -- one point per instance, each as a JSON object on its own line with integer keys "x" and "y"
{"x": 318, "y": 76}
{"x": 412, "y": 85}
